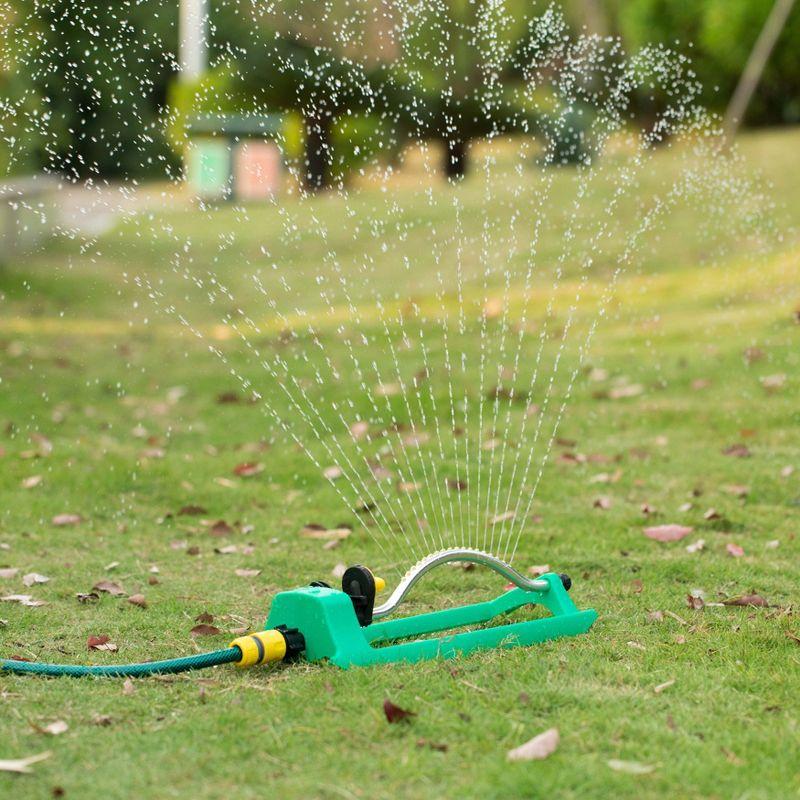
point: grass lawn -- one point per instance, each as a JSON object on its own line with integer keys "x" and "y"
{"x": 687, "y": 408}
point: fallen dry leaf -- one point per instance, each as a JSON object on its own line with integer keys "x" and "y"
{"x": 332, "y": 473}
{"x": 109, "y": 587}
{"x": 538, "y": 569}
{"x": 387, "y": 389}
{"x": 101, "y": 643}
{"x": 247, "y": 573}
{"x": 662, "y": 686}
{"x": 667, "y": 533}
{"x": 505, "y": 516}
{"x": 128, "y": 687}
{"x": 23, "y": 600}
{"x": 712, "y": 514}
{"x": 138, "y": 600}
{"x": 31, "y": 482}
{"x": 737, "y": 451}
{"x": 602, "y": 502}
{"x": 772, "y": 383}
{"x": 734, "y": 550}
{"x": 746, "y": 600}
{"x": 696, "y": 547}
{"x": 9, "y": 572}
{"x": 358, "y": 430}
{"x": 32, "y": 578}
{"x": 737, "y": 489}
{"x": 192, "y": 511}
{"x": 455, "y": 485}
{"x": 66, "y": 519}
{"x": 221, "y": 528}
{"x": 395, "y": 713}
{"x": 204, "y": 629}
{"x": 695, "y": 601}
{"x": 315, "y": 531}
{"x": 22, "y": 765}
{"x": 536, "y": 749}
{"x": 204, "y": 617}
{"x": 408, "y": 486}
{"x": 621, "y": 392}
{"x": 248, "y": 469}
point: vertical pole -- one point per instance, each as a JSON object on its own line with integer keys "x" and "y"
{"x": 192, "y": 35}
{"x": 759, "y": 56}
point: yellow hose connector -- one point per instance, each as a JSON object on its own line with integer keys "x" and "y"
{"x": 262, "y": 647}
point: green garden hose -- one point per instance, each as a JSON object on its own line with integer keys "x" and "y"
{"x": 171, "y": 665}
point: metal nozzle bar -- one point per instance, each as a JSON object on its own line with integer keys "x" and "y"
{"x": 447, "y": 556}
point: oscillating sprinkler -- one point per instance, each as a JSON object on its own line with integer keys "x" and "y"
{"x": 346, "y": 628}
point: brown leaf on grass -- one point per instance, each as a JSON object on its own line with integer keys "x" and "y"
{"x": 747, "y": 600}
{"x": 138, "y": 600}
{"x": 737, "y": 451}
{"x": 31, "y": 482}
{"x": 364, "y": 507}
{"x": 101, "y": 643}
{"x": 109, "y": 587}
{"x": 87, "y": 597}
{"x": 753, "y": 354}
{"x": 455, "y": 485}
{"x": 416, "y": 439}
{"x": 395, "y": 713}
{"x": 667, "y": 533}
{"x": 9, "y": 572}
{"x": 386, "y": 389}
{"x": 793, "y": 637}
{"x": 314, "y": 531}
{"x": 247, "y": 469}
{"x": 695, "y": 602}
{"x": 204, "y": 629}
{"x": 33, "y": 578}
{"x": 204, "y": 617}
{"x": 406, "y": 487}
{"x": 128, "y": 687}
{"x": 737, "y": 489}
{"x": 23, "y": 600}
{"x": 622, "y": 392}
{"x": 773, "y": 383}
{"x": 22, "y": 766}
{"x": 379, "y": 472}
{"x": 734, "y": 550}
{"x": 220, "y": 528}
{"x": 787, "y": 471}
{"x": 60, "y": 520}
{"x": 247, "y": 573}
{"x": 192, "y": 511}
{"x": 227, "y": 397}
{"x": 536, "y": 749}
{"x": 440, "y": 747}
{"x": 712, "y": 514}
{"x": 332, "y": 473}
{"x": 503, "y": 517}
{"x": 358, "y": 430}
{"x": 602, "y": 502}
{"x": 538, "y": 569}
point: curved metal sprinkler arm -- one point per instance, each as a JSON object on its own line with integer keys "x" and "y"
{"x": 455, "y": 554}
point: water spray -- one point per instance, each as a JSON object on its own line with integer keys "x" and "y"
{"x": 346, "y": 628}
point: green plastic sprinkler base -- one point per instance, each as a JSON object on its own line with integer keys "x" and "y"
{"x": 332, "y": 631}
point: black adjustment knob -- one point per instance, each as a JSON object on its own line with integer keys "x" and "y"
{"x": 566, "y": 581}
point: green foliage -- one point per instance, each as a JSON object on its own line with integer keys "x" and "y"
{"x": 357, "y": 140}
{"x": 722, "y": 33}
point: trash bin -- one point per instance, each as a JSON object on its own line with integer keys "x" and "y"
{"x": 235, "y": 157}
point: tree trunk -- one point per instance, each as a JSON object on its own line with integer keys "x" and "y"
{"x": 455, "y": 164}
{"x": 319, "y": 152}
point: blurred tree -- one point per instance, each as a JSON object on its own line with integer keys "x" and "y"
{"x": 101, "y": 70}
